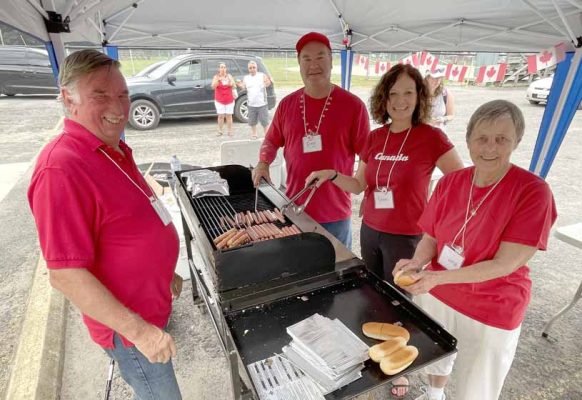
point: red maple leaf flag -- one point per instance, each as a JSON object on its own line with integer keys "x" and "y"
{"x": 491, "y": 73}
{"x": 456, "y": 73}
{"x": 411, "y": 59}
{"x": 428, "y": 61}
{"x": 546, "y": 58}
{"x": 362, "y": 61}
{"x": 381, "y": 67}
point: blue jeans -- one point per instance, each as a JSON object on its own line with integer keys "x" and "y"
{"x": 342, "y": 230}
{"x": 149, "y": 381}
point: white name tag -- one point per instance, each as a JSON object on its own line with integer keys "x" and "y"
{"x": 451, "y": 258}
{"x": 161, "y": 210}
{"x": 383, "y": 199}
{"x": 312, "y": 143}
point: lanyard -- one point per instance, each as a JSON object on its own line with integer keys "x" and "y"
{"x": 304, "y": 111}
{"x": 469, "y": 215}
{"x": 151, "y": 198}
{"x": 393, "y": 163}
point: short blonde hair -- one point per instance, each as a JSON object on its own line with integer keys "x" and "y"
{"x": 495, "y": 109}
{"x": 82, "y": 63}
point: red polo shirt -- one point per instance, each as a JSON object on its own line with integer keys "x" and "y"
{"x": 90, "y": 215}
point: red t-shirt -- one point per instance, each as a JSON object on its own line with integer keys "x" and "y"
{"x": 344, "y": 128}
{"x": 410, "y": 177}
{"x": 223, "y": 92}
{"x": 89, "y": 215}
{"x": 520, "y": 210}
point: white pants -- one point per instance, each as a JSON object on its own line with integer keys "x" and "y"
{"x": 484, "y": 353}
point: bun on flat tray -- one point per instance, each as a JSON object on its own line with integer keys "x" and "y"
{"x": 384, "y": 331}
{"x": 398, "y": 360}
{"x": 381, "y": 350}
{"x": 404, "y": 278}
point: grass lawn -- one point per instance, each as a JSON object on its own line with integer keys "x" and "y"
{"x": 284, "y": 71}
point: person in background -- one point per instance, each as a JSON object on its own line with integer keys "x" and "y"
{"x": 481, "y": 227}
{"x": 394, "y": 171}
{"x": 223, "y": 83}
{"x": 113, "y": 252}
{"x": 320, "y": 126}
{"x": 441, "y": 100}
{"x": 256, "y": 84}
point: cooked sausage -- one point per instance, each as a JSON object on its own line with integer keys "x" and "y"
{"x": 235, "y": 237}
{"x": 219, "y": 238}
{"x": 279, "y": 215}
{"x": 222, "y": 244}
{"x": 241, "y": 240}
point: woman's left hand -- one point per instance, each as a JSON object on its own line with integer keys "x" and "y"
{"x": 426, "y": 282}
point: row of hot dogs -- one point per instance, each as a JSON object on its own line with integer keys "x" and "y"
{"x": 248, "y": 218}
{"x": 237, "y": 237}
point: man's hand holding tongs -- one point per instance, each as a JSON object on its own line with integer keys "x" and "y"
{"x": 261, "y": 171}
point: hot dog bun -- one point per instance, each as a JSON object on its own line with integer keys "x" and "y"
{"x": 386, "y": 348}
{"x": 399, "y": 360}
{"x": 404, "y": 278}
{"x": 383, "y": 331}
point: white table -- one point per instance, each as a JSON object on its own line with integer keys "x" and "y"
{"x": 571, "y": 234}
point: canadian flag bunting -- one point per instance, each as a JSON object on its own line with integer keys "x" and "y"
{"x": 428, "y": 61}
{"x": 546, "y": 58}
{"x": 381, "y": 67}
{"x": 491, "y": 73}
{"x": 362, "y": 61}
{"x": 456, "y": 73}
{"x": 411, "y": 59}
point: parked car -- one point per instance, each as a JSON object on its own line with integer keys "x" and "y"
{"x": 181, "y": 87}
{"x": 539, "y": 91}
{"x": 149, "y": 69}
{"x": 26, "y": 70}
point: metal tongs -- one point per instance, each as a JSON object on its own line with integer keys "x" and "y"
{"x": 299, "y": 209}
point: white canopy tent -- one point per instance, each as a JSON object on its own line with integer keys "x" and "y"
{"x": 367, "y": 26}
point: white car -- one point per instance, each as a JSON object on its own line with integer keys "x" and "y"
{"x": 538, "y": 91}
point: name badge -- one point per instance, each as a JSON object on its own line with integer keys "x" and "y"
{"x": 383, "y": 199}
{"x": 451, "y": 257}
{"x": 312, "y": 143}
{"x": 161, "y": 210}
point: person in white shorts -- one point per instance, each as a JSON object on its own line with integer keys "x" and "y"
{"x": 223, "y": 84}
{"x": 256, "y": 84}
{"x": 481, "y": 227}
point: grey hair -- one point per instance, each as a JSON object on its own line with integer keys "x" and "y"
{"x": 252, "y": 63}
{"x": 495, "y": 109}
{"x": 79, "y": 64}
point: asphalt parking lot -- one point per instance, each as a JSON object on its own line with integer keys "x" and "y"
{"x": 541, "y": 370}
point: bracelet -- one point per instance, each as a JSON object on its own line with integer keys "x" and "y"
{"x": 334, "y": 176}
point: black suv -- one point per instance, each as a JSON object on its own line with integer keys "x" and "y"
{"x": 25, "y": 70}
{"x": 181, "y": 87}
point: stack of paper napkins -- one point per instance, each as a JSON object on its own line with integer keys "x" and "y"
{"x": 327, "y": 351}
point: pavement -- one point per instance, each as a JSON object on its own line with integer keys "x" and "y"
{"x": 39, "y": 324}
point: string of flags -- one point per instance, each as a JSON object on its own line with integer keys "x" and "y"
{"x": 425, "y": 61}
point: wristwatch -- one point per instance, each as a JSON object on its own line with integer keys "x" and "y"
{"x": 334, "y": 176}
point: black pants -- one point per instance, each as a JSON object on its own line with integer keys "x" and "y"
{"x": 381, "y": 250}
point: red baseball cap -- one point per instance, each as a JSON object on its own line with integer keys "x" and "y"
{"x": 312, "y": 37}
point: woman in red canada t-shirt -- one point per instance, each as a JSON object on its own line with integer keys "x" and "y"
{"x": 482, "y": 225}
{"x": 223, "y": 84}
{"x": 395, "y": 169}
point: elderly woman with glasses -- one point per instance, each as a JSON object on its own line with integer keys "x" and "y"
{"x": 481, "y": 227}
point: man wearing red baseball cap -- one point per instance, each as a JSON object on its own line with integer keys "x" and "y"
{"x": 321, "y": 126}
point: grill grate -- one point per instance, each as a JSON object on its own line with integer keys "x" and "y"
{"x": 211, "y": 209}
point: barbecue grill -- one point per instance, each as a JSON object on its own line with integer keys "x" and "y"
{"x": 255, "y": 290}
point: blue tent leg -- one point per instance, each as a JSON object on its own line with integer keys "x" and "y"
{"x": 565, "y": 96}
{"x": 53, "y": 60}
{"x": 347, "y": 57}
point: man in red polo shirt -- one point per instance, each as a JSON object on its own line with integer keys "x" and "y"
{"x": 320, "y": 126}
{"x": 109, "y": 244}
